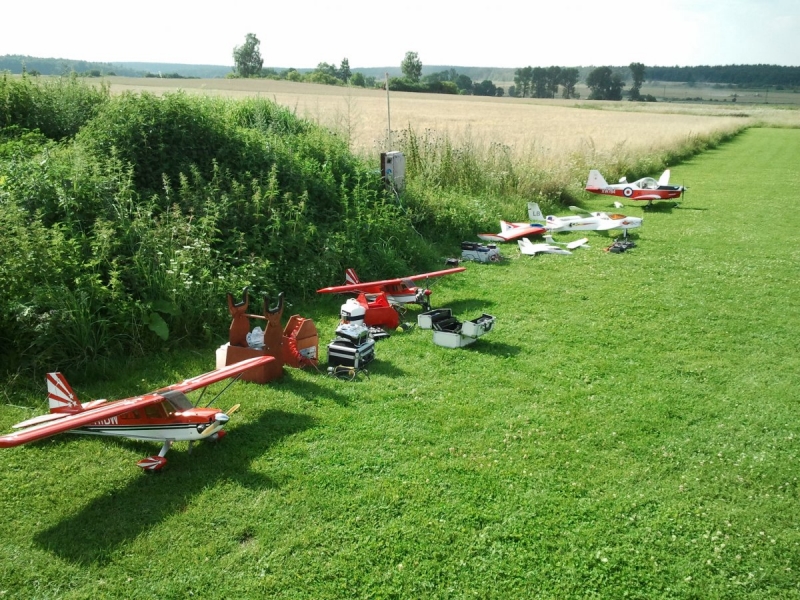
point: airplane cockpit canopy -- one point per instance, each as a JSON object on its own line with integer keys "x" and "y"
{"x": 647, "y": 183}
{"x": 177, "y": 399}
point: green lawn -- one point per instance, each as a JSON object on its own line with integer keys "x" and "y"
{"x": 629, "y": 429}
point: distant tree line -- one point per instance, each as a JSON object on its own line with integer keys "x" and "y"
{"x": 543, "y": 82}
{"x": 18, "y": 64}
{"x": 742, "y": 75}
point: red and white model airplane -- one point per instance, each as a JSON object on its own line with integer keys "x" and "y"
{"x": 165, "y": 415}
{"x": 398, "y": 291}
{"x": 647, "y": 188}
{"x": 513, "y": 231}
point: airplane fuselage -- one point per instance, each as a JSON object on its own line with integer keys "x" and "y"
{"x": 161, "y": 422}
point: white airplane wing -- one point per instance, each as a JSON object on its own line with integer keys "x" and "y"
{"x": 581, "y": 243}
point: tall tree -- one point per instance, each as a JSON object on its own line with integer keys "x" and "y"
{"x": 569, "y": 78}
{"x": 522, "y": 81}
{"x": 485, "y": 88}
{"x": 464, "y": 84}
{"x": 553, "y": 80}
{"x": 540, "y": 83}
{"x": 637, "y": 72}
{"x": 344, "y": 70}
{"x": 247, "y": 57}
{"x": 412, "y": 67}
{"x": 605, "y": 84}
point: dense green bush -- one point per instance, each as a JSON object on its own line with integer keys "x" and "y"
{"x": 134, "y": 230}
{"x": 57, "y": 107}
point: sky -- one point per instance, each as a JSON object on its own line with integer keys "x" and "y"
{"x": 467, "y": 33}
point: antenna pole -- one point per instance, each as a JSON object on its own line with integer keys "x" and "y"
{"x": 388, "y": 112}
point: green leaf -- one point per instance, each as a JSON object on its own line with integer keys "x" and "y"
{"x": 165, "y": 306}
{"x": 158, "y": 325}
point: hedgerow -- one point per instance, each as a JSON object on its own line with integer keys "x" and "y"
{"x": 127, "y": 235}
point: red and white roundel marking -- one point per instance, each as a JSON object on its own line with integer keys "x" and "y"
{"x": 628, "y": 192}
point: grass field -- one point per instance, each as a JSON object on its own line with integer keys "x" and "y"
{"x": 546, "y": 131}
{"x": 627, "y": 430}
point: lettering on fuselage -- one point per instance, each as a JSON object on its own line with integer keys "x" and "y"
{"x": 109, "y": 421}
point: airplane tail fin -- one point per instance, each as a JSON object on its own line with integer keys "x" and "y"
{"x": 535, "y": 213}
{"x": 596, "y": 180}
{"x": 664, "y": 179}
{"x": 60, "y": 395}
{"x": 350, "y": 277}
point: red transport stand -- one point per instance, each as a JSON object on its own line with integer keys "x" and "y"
{"x": 296, "y": 346}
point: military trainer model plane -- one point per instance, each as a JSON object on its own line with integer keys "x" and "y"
{"x": 645, "y": 189}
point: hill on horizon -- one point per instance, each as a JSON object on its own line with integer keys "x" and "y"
{"x": 742, "y": 75}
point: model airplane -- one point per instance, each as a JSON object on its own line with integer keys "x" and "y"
{"x": 165, "y": 415}
{"x": 645, "y": 189}
{"x": 583, "y": 221}
{"x": 398, "y": 291}
{"x": 531, "y": 249}
{"x": 581, "y": 243}
{"x": 513, "y": 231}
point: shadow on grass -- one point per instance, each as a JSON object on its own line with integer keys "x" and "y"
{"x": 484, "y": 346}
{"x": 92, "y": 535}
{"x": 312, "y": 391}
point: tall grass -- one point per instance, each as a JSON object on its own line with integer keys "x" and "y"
{"x": 457, "y": 188}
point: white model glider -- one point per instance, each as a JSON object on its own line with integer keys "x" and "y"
{"x": 526, "y": 247}
{"x": 583, "y": 221}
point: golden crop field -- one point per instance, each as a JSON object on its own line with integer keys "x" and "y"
{"x": 552, "y": 130}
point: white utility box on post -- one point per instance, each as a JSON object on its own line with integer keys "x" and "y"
{"x": 393, "y": 169}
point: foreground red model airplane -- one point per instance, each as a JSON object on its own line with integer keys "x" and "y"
{"x": 398, "y": 291}
{"x": 165, "y": 415}
{"x": 646, "y": 188}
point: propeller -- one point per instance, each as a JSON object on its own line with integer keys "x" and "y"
{"x": 220, "y": 419}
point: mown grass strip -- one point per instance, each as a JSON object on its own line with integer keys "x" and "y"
{"x": 628, "y": 429}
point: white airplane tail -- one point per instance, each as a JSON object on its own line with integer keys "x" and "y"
{"x": 596, "y": 180}
{"x": 60, "y": 395}
{"x": 664, "y": 179}
{"x": 535, "y": 213}
{"x": 350, "y": 277}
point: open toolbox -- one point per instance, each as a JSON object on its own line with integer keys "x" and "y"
{"x": 449, "y": 332}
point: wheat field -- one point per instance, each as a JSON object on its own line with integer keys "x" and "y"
{"x": 551, "y": 130}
